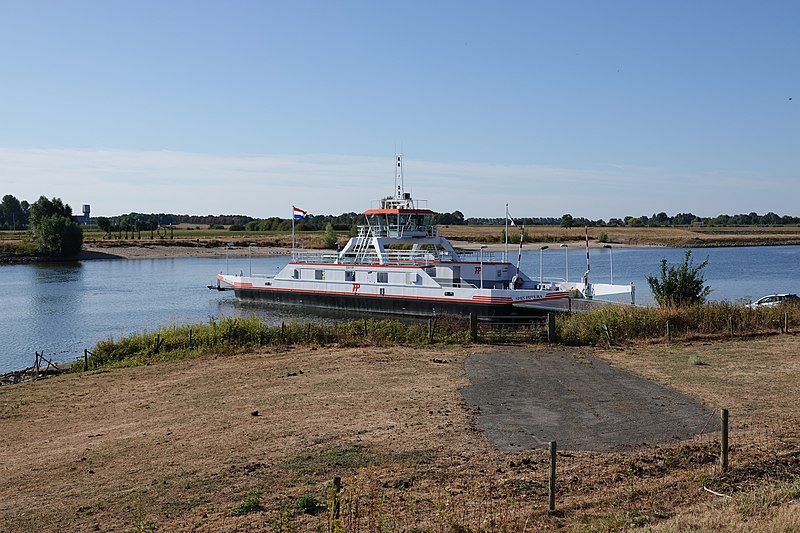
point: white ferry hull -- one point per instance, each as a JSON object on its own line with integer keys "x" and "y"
{"x": 398, "y": 300}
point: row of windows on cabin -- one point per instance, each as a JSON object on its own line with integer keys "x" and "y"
{"x": 396, "y": 278}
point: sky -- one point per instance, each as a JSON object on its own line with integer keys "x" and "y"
{"x": 597, "y": 109}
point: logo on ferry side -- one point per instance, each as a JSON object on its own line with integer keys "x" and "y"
{"x": 356, "y": 286}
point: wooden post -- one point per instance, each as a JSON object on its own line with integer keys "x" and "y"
{"x": 308, "y": 332}
{"x": 669, "y": 332}
{"x": 366, "y": 331}
{"x": 723, "y": 441}
{"x": 473, "y": 326}
{"x": 551, "y": 327}
{"x": 283, "y": 332}
{"x": 36, "y": 366}
{"x": 730, "y": 324}
{"x": 430, "y": 331}
{"x": 190, "y": 337}
{"x": 552, "y": 479}
{"x": 158, "y": 342}
{"x": 786, "y": 322}
{"x": 85, "y": 360}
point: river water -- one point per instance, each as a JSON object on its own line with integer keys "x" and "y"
{"x": 60, "y": 309}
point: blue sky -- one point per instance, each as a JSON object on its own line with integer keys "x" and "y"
{"x": 598, "y": 109}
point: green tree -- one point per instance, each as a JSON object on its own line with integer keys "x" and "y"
{"x": 329, "y": 236}
{"x": 104, "y": 224}
{"x": 566, "y": 221}
{"x": 54, "y": 231}
{"x": 12, "y": 213}
{"x": 680, "y": 286}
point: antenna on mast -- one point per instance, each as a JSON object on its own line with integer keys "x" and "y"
{"x": 399, "y": 186}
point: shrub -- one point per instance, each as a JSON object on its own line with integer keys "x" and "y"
{"x": 681, "y": 286}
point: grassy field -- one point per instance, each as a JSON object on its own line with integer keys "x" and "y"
{"x": 677, "y": 236}
{"x": 252, "y": 441}
{"x": 199, "y": 236}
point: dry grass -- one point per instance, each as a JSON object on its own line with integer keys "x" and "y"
{"x": 668, "y": 236}
{"x": 176, "y": 447}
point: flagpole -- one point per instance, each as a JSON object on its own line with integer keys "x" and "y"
{"x": 506, "y": 256}
{"x": 292, "y": 232}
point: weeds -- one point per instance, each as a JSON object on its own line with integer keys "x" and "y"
{"x": 250, "y": 504}
{"x": 307, "y": 504}
{"x": 613, "y": 324}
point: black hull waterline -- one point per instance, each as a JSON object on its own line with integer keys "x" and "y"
{"x": 381, "y": 304}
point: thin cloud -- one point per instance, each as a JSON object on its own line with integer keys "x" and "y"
{"x": 121, "y": 181}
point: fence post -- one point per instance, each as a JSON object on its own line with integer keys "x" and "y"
{"x": 283, "y": 332}
{"x": 473, "y": 326}
{"x": 85, "y": 360}
{"x": 786, "y": 322}
{"x": 723, "y": 441}
{"x": 551, "y": 327}
{"x": 669, "y": 332}
{"x": 366, "y": 331}
{"x": 730, "y": 324}
{"x": 190, "y": 337}
{"x": 552, "y": 479}
{"x": 36, "y": 366}
{"x": 430, "y": 331}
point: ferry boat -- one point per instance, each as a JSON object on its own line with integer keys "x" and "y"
{"x": 399, "y": 264}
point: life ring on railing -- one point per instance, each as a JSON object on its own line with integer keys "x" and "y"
{"x": 516, "y": 282}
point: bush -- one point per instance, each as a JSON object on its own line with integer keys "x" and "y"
{"x": 681, "y": 286}
{"x": 54, "y": 231}
{"x": 58, "y": 236}
{"x": 329, "y": 236}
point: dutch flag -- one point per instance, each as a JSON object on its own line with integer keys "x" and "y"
{"x": 298, "y": 213}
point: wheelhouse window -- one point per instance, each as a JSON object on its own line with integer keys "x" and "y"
{"x": 319, "y": 274}
{"x": 349, "y": 275}
{"x": 383, "y": 277}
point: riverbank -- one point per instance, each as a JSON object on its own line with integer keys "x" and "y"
{"x": 180, "y": 446}
{"x": 185, "y": 243}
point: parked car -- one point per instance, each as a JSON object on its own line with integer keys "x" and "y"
{"x": 771, "y": 300}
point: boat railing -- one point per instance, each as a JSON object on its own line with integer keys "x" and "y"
{"x": 470, "y": 256}
{"x": 316, "y": 257}
{"x": 396, "y": 231}
{"x": 390, "y": 257}
{"x": 405, "y": 203}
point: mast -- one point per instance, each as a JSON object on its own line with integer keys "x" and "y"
{"x": 399, "y": 186}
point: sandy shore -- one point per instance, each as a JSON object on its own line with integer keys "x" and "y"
{"x": 151, "y": 251}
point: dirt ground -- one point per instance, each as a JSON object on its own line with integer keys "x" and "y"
{"x": 178, "y": 446}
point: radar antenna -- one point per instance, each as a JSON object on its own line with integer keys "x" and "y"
{"x": 399, "y": 186}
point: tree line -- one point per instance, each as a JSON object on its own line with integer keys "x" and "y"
{"x": 14, "y": 216}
